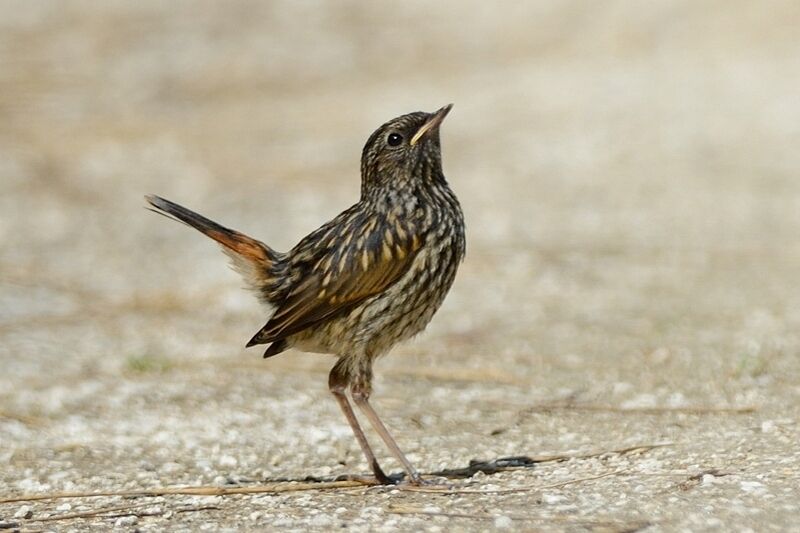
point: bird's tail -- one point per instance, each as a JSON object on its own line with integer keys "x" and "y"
{"x": 253, "y": 259}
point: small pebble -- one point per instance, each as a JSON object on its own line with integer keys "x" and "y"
{"x": 752, "y": 486}
{"x": 156, "y": 510}
{"x": 64, "y": 507}
{"x": 503, "y": 522}
{"x": 171, "y": 468}
{"x": 228, "y": 461}
{"x": 321, "y": 520}
{"x": 124, "y": 521}
{"x": 550, "y": 499}
{"x": 24, "y": 512}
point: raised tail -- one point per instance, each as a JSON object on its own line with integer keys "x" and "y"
{"x": 253, "y": 259}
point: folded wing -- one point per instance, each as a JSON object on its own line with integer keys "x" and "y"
{"x": 336, "y": 268}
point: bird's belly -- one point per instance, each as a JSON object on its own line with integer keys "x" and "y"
{"x": 400, "y": 312}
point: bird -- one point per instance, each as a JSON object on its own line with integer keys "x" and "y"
{"x": 371, "y": 277}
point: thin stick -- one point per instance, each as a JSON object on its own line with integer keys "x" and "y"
{"x": 431, "y": 512}
{"x": 88, "y": 514}
{"x": 198, "y": 508}
{"x": 621, "y": 451}
{"x": 194, "y": 491}
{"x": 640, "y": 410}
{"x": 127, "y": 511}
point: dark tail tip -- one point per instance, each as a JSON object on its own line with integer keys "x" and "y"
{"x": 155, "y": 201}
{"x": 276, "y": 347}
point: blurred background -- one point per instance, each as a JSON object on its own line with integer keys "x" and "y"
{"x": 628, "y": 170}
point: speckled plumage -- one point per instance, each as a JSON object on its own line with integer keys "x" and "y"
{"x": 371, "y": 277}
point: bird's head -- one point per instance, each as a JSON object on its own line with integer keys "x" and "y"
{"x": 403, "y": 151}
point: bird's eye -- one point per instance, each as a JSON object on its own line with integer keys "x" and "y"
{"x": 394, "y": 139}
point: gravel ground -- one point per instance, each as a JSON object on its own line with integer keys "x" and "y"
{"x": 629, "y": 173}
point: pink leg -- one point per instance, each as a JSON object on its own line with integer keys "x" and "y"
{"x": 337, "y": 383}
{"x": 361, "y": 397}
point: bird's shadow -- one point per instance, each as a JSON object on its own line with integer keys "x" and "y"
{"x": 475, "y": 466}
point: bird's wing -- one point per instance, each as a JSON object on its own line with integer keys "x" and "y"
{"x": 338, "y": 267}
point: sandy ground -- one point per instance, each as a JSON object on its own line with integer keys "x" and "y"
{"x": 629, "y": 172}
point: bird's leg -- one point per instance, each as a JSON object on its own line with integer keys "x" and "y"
{"x": 361, "y": 392}
{"x": 337, "y": 383}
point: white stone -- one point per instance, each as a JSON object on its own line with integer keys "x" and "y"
{"x": 621, "y": 387}
{"x": 752, "y": 486}
{"x": 503, "y": 522}
{"x": 64, "y": 507}
{"x": 124, "y": 521}
{"x": 321, "y": 520}
{"x": 171, "y": 468}
{"x": 550, "y": 498}
{"x": 24, "y": 512}
{"x": 228, "y": 461}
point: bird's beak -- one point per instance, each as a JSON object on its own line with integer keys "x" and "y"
{"x": 431, "y": 124}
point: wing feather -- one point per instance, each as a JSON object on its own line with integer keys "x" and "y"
{"x": 337, "y": 270}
